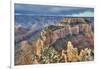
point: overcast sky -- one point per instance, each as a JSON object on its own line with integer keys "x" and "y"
{"x": 45, "y": 10}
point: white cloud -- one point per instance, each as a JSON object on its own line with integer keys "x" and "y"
{"x": 18, "y": 14}
{"x": 86, "y": 14}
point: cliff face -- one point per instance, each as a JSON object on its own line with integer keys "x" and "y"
{"x": 65, "y": 31}
{"x": 24, "y": 54}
